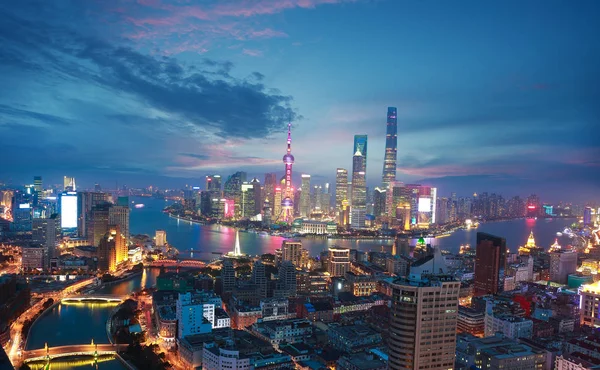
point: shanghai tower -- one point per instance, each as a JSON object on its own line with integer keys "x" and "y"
{"x": 391, "y": 144}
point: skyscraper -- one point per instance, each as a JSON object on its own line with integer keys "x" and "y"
{"x": 233, "y": 191}
{"x": 379, "y": 200}
{"x": 305, "y": 196}
{"x": 358, "y": 209}
{"x": 424, "y": 316}
{"x": 112, "y": 250}
{"x": 287, "y": 201}
{"x": 360, "y": 145}
{"x": 69, "y": 183}
{"x": 391, "y": 144}
{"x": 248, "y": 200}
{"x": 119, "y": 215}
{"x": 228, "y": 275}
{"x": 259, "y": 278}
{"x": 213, "y": 185}
{"x": 490, "y": 264}
{"x": 270, "y": 184}
{"x": 341, "y": 189}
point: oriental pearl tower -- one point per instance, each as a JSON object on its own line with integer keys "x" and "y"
{"x": 287, "y": 199}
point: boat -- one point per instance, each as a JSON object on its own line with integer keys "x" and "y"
{"x": 263, "y": 233}
{"x": 140, "y": 205}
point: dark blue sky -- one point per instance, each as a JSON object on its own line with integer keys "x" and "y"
{"x": 497, "y": 96}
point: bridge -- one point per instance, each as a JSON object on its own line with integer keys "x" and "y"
{"x": 49, "y": 353}
{"x": 95, "y": 297}
{"x": 177, "y": 263}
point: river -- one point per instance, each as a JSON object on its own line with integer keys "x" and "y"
{"x": 205, "y": 240}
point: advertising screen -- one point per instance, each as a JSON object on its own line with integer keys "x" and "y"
{"x": 424, "y": 204}
{"x": 68, "y": 211}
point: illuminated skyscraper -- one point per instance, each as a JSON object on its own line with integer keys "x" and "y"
{"x": 360, "y": 145}
{"x": 112, "y": 250}
{"x": 305, "y": 196}
{"x": 269, "y": 190}
{"x": 233, "y": 191}
{"x": 287, "y": 202}
{"x": 391, "y": 144}
{"x": 359, "y": 191}
{"x": 213, "y": 185}
{"x": 69, "y": 183}
{"x": 341, "y": 189}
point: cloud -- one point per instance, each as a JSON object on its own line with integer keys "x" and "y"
{"x": 181, "y": 24}
{"x": 252, "y": 52}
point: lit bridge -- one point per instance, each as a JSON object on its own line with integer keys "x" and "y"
{"x": 94, "y": 297}
{"x": 48, "y": 353}
{"x": 177, "y": 263}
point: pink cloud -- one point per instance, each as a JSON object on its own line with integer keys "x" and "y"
{"x": 252, "y": 52}
{"x": 157, "y": 21}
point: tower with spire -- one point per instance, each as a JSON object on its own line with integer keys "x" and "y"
{"x": 287, "y": 199}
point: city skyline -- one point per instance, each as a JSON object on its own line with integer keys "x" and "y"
{"x": 164, "y": 93}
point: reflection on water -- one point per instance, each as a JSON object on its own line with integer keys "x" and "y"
{"x": 108, "y": 362}
{"x": 72, "y": 323}
{"x": 146, "y": 279}
{"x": 204, "y": 241}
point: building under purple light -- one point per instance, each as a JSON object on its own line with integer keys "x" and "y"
{"x": 287, "y": 201}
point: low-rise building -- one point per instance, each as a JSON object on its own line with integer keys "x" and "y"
{"x": 470, "y": 320}
{"x": 511, "y": 326}
{"x": 353, "y": 338}
{"x": 361, "y": 361}
{"x": 286, "y": 331}
{"x": 576, "y": 361}
{"x": 495, "y": 353}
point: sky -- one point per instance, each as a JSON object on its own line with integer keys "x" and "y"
{"x": 497, "y": 96}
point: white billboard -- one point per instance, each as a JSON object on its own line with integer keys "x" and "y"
{"x": 424, "y": 204}
{"x": 68, "y": 211}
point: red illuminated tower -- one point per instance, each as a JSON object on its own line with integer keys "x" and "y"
{"x": 287, "y": 199}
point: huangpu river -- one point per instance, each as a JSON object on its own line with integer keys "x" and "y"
{"x": 207, "y": 240}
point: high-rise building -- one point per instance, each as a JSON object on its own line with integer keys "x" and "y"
{"x": 379, "y": 201}
{"x": 69, "y": 184}
{"x": 213, "y": 185}
{"x": 97, "y": 223}
{"x": 248, "y": 200}
{"x": 258, "y": 197}
{"x": 391, "y": 144}
{"x": 160, "y": 238}
{"x": 424, "y": 317}
{"x": 46, "y": 232}
{"x": 119, "y": 215}
{"x": 112, "y": 250}
{"x": 587, "y": 216}
{"x": 233, "y": 190}
{"x": 490, "y": 264}
{"x": 305, "y": 196}
{"x": 360, "y": 145}
{"x": 562, "y": 263}
{"x": 287, "y": 284}
{"x": 341, "y": 189}
{"x": 259, "y": 278}
{"x": 228, "y": 275}
{"x": 38, "y": 188}
{"x": 270, "y": 184}
{"x": 287, "y": 201}
{"x": 85, "y": 202}
{"x": 338, "y": 261}
{"x": 291, "y": 250}
{"x": 359, "y": 190}
{"x": 590, "y": 305}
